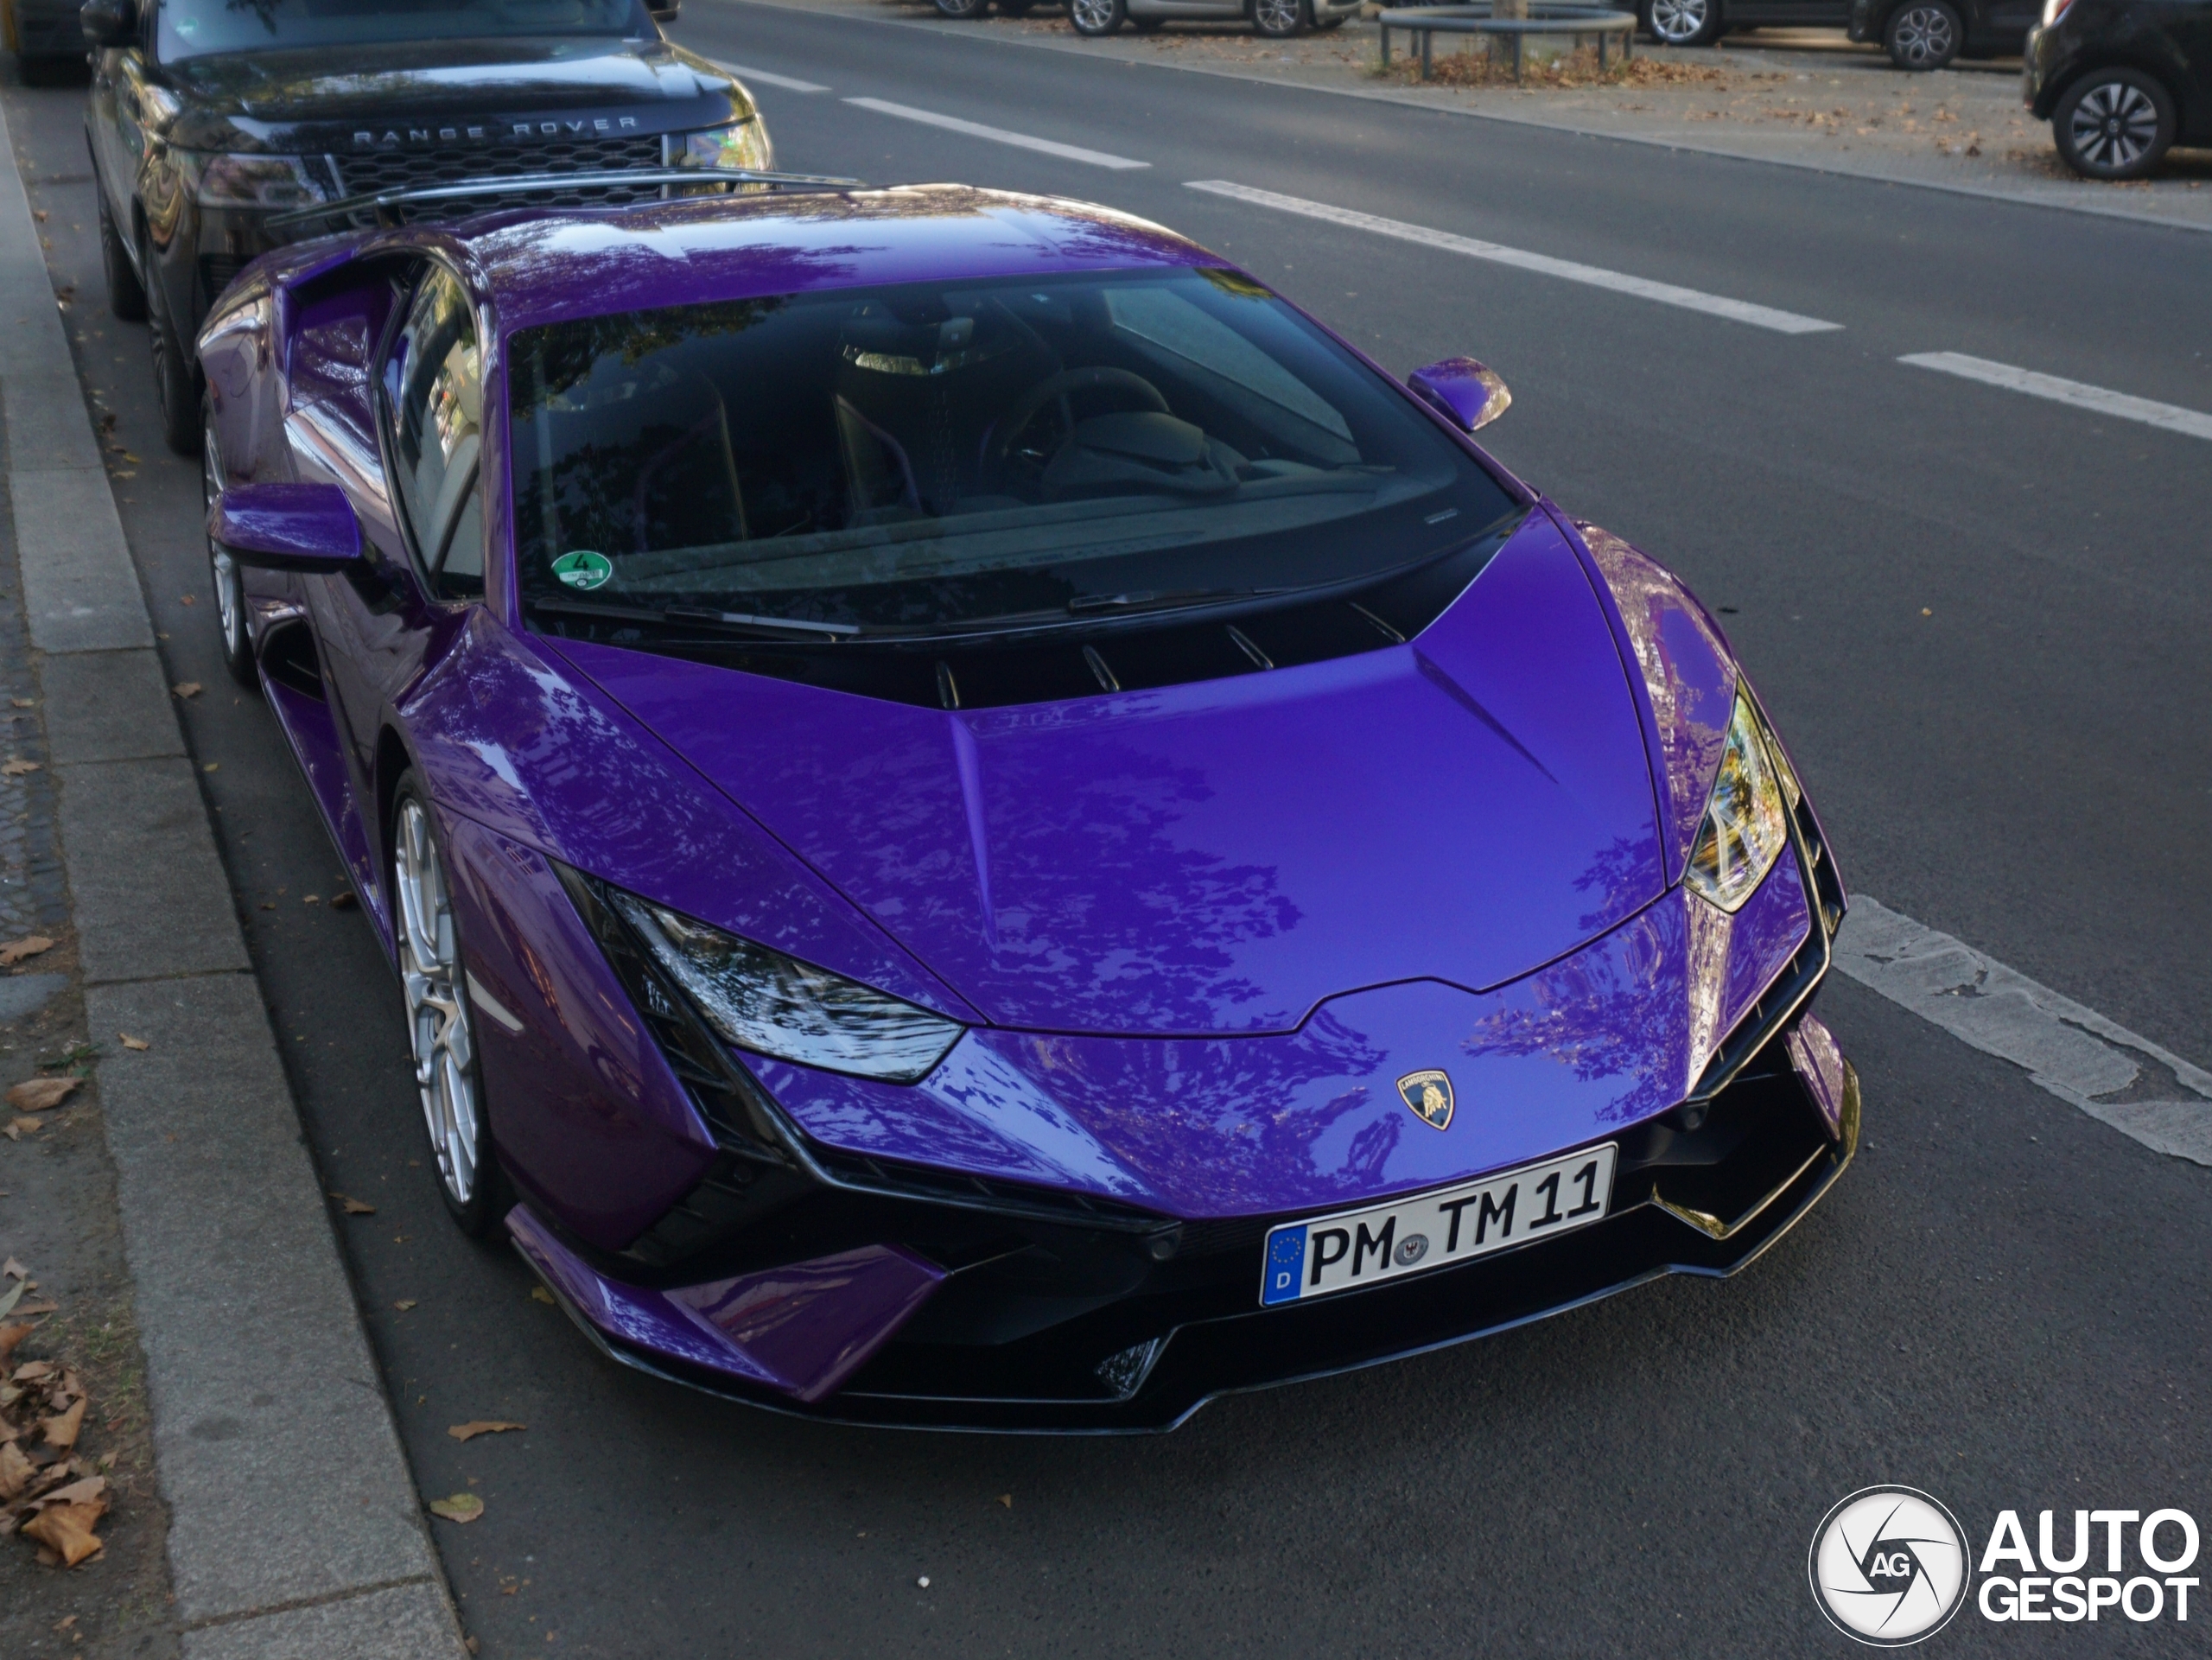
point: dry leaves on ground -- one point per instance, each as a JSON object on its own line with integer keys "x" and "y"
{"x": 42, "y": 1094}
{"x": 476, "y": 1426}
{"x": 461, "y": 1507}
{"x": 341, "y": 902}
{"x": 47, "y": 1493}
{"x": 186, "y": 689}
{"x": 130, "y": 1042}
{"x": 17, "y": 950}
{"x": 17, "y": 767}
{"x": 1565, "y": 73}
{"x": 354, "y": 1206}
{"x": 15, "y": 1128}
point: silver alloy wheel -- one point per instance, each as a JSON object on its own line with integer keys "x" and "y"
{"x": 230, "y": 610}
{"x": 1092, "y": 16}
{"x": 1676, "y": 22}
{"x": 437, "y": 1018}
{"x": 1275, "y": 18}
{"x": 2113, "y": 125}
{"x": 1924, "y": 37}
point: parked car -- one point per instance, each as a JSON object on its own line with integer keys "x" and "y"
{"x": 1276, "y": 19}
{"x": 44, "y": 34}
{"x": 1916, "y": 34}
{"x": 2121, "y": 81}
{"x": 983, "y": 825}
{"x": 207, "y": 118}
{"x": 967, "y": 10}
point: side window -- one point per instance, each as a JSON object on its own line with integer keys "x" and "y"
{"x": 435, "y": 396}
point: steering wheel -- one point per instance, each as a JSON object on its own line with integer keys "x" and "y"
{"x": 1061, "y": 387}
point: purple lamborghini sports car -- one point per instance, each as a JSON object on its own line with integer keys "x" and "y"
{"x": 983, "y": 825}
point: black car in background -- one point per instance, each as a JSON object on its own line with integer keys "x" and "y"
{"x": 208, "y": 118}
{"x": 46, "y": 38}
{"x": 2121, "y": 81}
{"x": 1916, "y": 34}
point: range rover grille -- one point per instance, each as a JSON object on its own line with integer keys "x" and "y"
{"x": 407, "y": 169}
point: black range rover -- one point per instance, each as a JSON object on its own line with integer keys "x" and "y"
{"x": 210, "y": 118}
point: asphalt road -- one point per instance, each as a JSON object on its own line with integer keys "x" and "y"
{"x": 1979, "y": 616}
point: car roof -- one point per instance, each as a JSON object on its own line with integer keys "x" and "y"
{"x": 538, "y": 266}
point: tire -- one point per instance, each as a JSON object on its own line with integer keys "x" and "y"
{"x": 1014, "y": 8}
{"x": 1148, "y": 25}
{"x": 229, "y": 583}
{"x": 1337, "y": 21}
{"x": 126, "y": 298}
{"x": 177, "y": 385}
{"x": 1922, "y": 34}
{"x": 962, "y": 11}
{"x": 1096, "y": 18}
{"x": 2113, "y": 124}
{"x": 1279, "y": 20}
{"x": 441, "y": 1027}
{"x": 1682, "y": 23}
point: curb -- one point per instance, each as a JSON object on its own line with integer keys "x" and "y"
{"x": 295, "y": 1527}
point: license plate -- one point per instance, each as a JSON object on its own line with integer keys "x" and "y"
{"x": 1325, "y": 1254}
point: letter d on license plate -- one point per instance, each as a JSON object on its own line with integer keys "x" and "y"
{"x": 1449, "y": 1224}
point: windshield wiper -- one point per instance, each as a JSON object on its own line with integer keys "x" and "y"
{"x": 737, "y": 621}
{"x": 1156, "y": 600}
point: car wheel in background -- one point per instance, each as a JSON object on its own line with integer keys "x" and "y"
{"x": 176, "y": 377}
{"x": 230, "y": 587}
{"x": 439, "y": 1029}
{"x": 1014, "y": 8}
{"x": 1337, "y": 21}
{"x": 963, "y": 10}
{"x": 1923, "y": 35}
{"x": 1281, "y": 19}
{"x": 2113, "y": 124}
{"x": 125, "y": 297}
{"x": 1681, "y": 22}
{"x": 1096, "y": 18}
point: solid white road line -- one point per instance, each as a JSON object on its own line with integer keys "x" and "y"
{"x": 2075, "y": 1053}
{"x": 2171, "y": 416}
{"x": 767, "y": 79}
{"x": 1742, "y": 311}
{"x": 997, "y": 134}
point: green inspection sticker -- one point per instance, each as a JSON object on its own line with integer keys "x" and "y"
{"x": 584, "y": 568}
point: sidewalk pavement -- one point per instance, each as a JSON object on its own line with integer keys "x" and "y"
{"x": 295, "y": 1530}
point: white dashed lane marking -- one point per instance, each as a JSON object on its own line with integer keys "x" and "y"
{"x": 2084, "y": 1059}
{"x": 997, "y": 134}
{"x": 2171, "y": 416}
{"x": 1742, "y": 311}
{"x": 767, "y": 79}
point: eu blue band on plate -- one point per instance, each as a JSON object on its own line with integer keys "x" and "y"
{"x": 1285, "y": 1262}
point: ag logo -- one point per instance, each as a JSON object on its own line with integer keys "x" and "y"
{"x": 1429, "y": 1095}
{"x": 1889, "y": 1566}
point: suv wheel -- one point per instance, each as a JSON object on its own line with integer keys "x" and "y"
{"x": 1923, "y": 35}
{"x": 1682, "y": 23}
{"x": 125, "y": 297}
{"x": 2113, "y": 124}
{"x": 1281, "y": 19}
{"x": 176, "y": 377}
{"x": 1096, "y": 18}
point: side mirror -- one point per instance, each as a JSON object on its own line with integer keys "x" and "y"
{"x": 304, "y": 527}
{"x": 1468, "y": 395}
{"x": 109, "y": 22}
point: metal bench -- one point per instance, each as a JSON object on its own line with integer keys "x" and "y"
{"x": 1544, "y": 17}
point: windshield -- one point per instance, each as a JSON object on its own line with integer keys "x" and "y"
{"x": 935, "y": 456}
{"x": 199, "y": 28}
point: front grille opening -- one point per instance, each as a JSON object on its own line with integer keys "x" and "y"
{"x": 369, "y": 171}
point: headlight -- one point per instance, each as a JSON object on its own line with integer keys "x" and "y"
{"x": 1746, "y": 824}
{"x": 743, "y": 146}
{"x": 761, "y": 1000}
{"x": 250, "y": 181}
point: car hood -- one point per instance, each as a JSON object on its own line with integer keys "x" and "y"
{"x": 1217, "y": 857}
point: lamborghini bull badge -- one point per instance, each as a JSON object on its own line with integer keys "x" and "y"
{"x": 1429, "y": 1095}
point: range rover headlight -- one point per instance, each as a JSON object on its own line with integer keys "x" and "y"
{"x": 761, "y": 1000}
{"x": 1746, "y": 822}
{"x": 250, "y": 181}
{"x": 742, "y": 146}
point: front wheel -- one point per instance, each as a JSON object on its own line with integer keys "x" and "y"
{"x": 440, "y": 1034}
{"x": 176, "y": 376}
{"x": 2113, "y": 124}
{"x": 230, "y": 586}
{"x": 1096, "y": 18}
{"x": 962, "y": 11}
{"x": 1923, "y": 35}
{"x": 1278, "y": 20}
{"x": 126, "y": 298}
{"x": 1682, "y": 23}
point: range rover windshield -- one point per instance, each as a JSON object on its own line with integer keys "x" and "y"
{"x": 959, "y": 457}
{"x": 200, "y": 29}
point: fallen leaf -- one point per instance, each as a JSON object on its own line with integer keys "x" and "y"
{"x": 61, "y": 1431}
{"x": 16, "y": 1471}
{"x": 404, "y": 1304}
{"x": 77, "y": 1492}
{"x": 341, "y": 902}
{"x": 184, "y": 599}
{"x": 130, "y": 1042}
{"x": 39, "y": 213}
{"x": 24, "y": 703}
{"x": 10, "y": 1337}
{"x": 539, "y": 1293}
{"x": 39, "y": 1308}
{"x": 14, "y": 1270}
{"x": 65, "y": 1622}
{"x": 213, "y": 766}
{"x": 15, "y": 951}
{"x": 310, "y": 898}
{"x": 32, "y": 1372}
{"x": 461, "y": 1507}
{"x": 1006, "y": 1499}
{"x": 17, "y": 767}
{"x": 67, "y": 1529}
{"x": 14, "y": 1128}
{"x": 186, "y": 689}
{"x": 476, "y": 1426}
{"x": 42, "y": 1094}
{"x": 354, "y": 1206}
